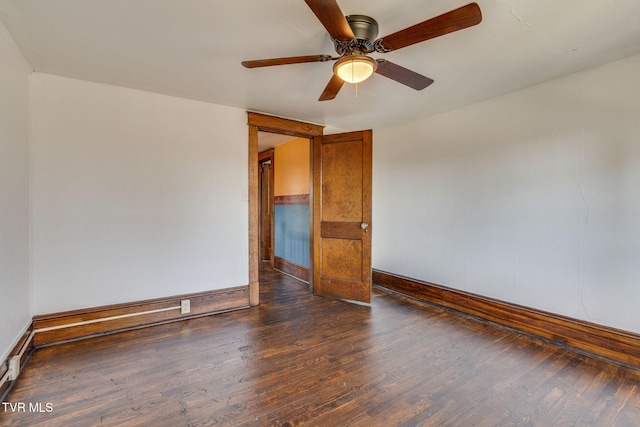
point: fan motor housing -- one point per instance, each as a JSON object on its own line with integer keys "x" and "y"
{"x": 365, "y": 30}
{"x": 363, "y": 27}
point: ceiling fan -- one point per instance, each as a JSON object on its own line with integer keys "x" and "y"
{"x": 354, "y": 37}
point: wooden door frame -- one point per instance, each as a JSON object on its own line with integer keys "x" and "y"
{"x": 266, "y": 156}
{"x": 262, "y": 122}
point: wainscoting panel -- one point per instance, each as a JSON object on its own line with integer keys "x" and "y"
{"x": 291, "y": 233}
{"x": 619, "y": 346}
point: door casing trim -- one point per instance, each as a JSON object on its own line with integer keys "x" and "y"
{"x": 266, "y": 123}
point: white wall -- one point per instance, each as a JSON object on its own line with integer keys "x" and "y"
{"x": 135, "y": 195}
{"x": 532, "y": 198}
{"x": 15, "y": 315}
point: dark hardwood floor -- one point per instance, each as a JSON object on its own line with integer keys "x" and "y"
{"x": 299, "y": 359}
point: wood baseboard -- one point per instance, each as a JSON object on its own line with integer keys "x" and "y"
{"x": 616, "y": 345}
{"x": 77, "y": 324}
{"x": 22, "y": 350}
{"x": 296, "y": 270}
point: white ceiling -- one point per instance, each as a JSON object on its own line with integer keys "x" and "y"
{"x": 268, "y": 140}
{"x": 193, "y": 49}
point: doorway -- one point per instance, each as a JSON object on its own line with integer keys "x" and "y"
{"x": 285, "y": 209}
{"x": 264, "y": 123}
{"x": 340, "y": 208}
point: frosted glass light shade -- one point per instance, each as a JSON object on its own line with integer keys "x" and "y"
{"x": 355, "y": 68}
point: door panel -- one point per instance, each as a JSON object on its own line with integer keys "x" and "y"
{"x": 341, "y": 181}
{"x": 342, "y": 260}
{"x": 342, "y": 216}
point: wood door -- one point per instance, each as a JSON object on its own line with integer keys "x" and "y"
{"x": 342, "y": 215}
{"x": 266, "y": 211}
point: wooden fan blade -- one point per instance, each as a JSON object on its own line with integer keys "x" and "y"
{"x": 458, "y": 19}
{"x": 330, "y": 15}
{"x": 286, "y": 61}
{"x": 332, "y": 89}
{"x": 402, "y": 75}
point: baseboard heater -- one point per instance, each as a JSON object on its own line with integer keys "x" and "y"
{"x": 67, "y": 326}
{"x": 106, "y": 319}
{"x": 71, "y": 325}
{"x": 16, "y": 362}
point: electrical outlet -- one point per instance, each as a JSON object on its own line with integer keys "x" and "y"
{"x": 185, "y": 306}
{"x": 14, "y": 368}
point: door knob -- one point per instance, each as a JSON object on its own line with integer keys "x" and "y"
{"x": 364, "y": 226}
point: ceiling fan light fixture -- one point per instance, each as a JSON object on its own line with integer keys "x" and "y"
{"x": 355, "y": 68}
